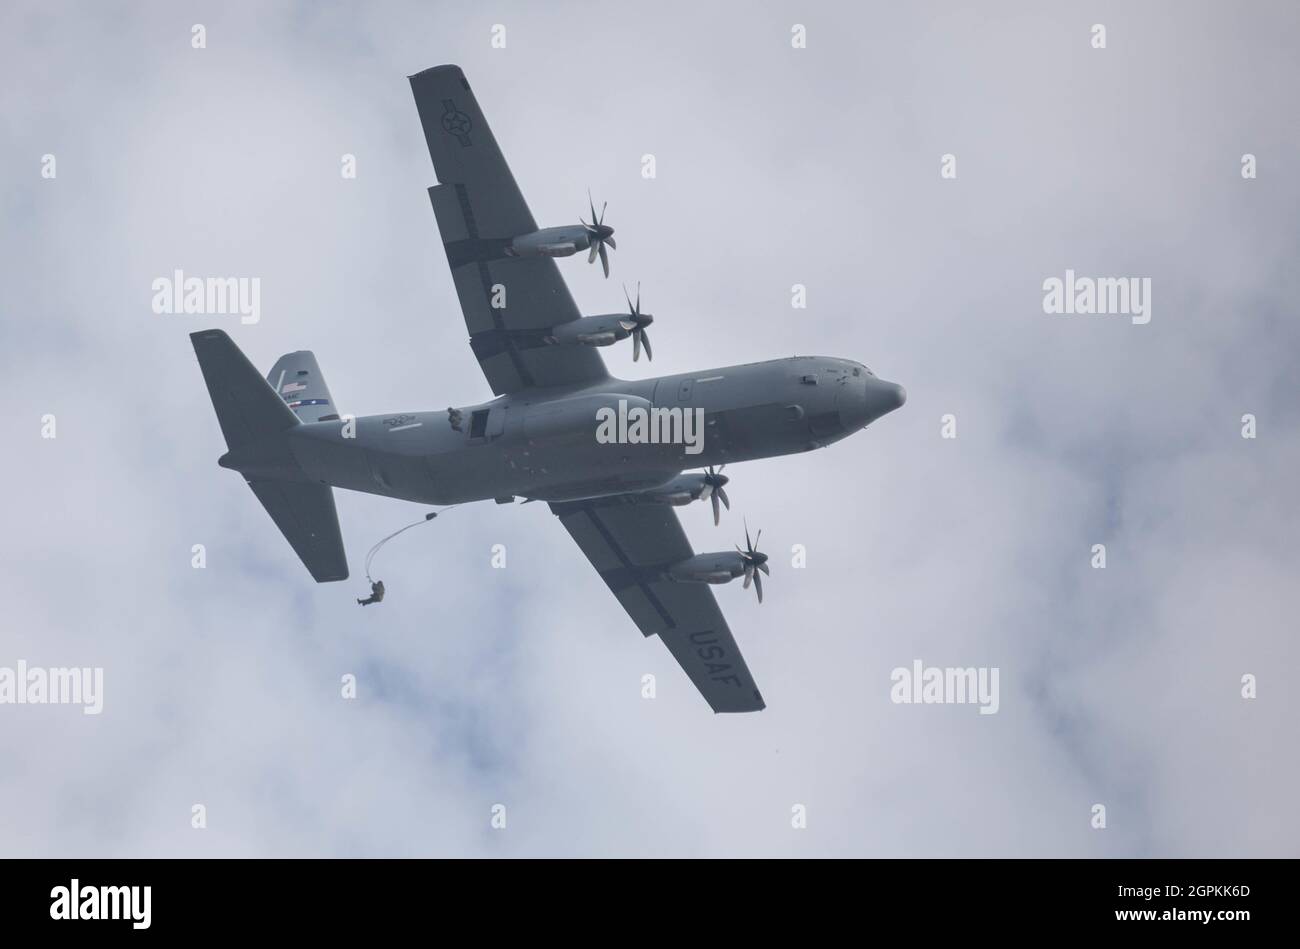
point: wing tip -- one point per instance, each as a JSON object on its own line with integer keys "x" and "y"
{"x": 758, "y": 706}
{"x": 446, "y": 69}
{"x": 213, "y": 333}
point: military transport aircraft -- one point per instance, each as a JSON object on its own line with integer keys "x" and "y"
{"x": 540, "y": 438}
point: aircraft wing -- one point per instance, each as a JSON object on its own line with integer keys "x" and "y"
{"x": 630, "y": 545}
{"x": 479, "y": 208}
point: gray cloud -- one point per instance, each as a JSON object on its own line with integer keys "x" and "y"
{"x": 775, "y": 167}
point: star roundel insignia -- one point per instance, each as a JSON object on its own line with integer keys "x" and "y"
{"x": 455, "y": 122}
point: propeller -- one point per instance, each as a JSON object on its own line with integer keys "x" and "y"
{"x": 713, "y": 490}
{"x": 637, "y": 324}
{"x": 600, "y": 234}
{"x": 754, "y": 562}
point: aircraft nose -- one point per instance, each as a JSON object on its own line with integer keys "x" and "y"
{"x": 880, "y": 398}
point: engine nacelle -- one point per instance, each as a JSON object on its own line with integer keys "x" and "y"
{"x": 721, "y": 567}
{"x": 683, "y": 489}
{"x": 550, "y": 242}
{"x": 603, "y": 330}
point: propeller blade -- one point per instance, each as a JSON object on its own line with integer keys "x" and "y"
{"x": 747, "y": 541}
{"x": 591, "y": 258}
{"x": 758, "y": 585}
{"x": 757, "y": 537}
{"x": 638, "y": 297}
{"x": 593, "y": 208}
{"x": 763, "y": 567}
{"x": 602, "y": 212}
{"x": 717, "y": 513}
{"x": 610, "y": 242}
{"x": 636, "y": 346}
{"x": 706, "y": 491}
{"x": 604, "y": 258}
{"x": 722, "y": 493}
{"x": 630, "y": 308}
{"x": 649, "y": 353}
{"x": 627, "y": 325}
{"x": 749, "y": 575}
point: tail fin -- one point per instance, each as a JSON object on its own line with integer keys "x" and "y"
{"x": 298, "y": 380}
{"x": 255, "y": 420}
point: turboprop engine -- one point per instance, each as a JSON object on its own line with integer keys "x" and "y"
{"x": 550, "y": 242}
{"x": 686, "y": 488}
{"x": 603, "y": 330}
{"x": 608, "y": 328}
{"x": 724, "y": 566}
{"x": 567, "y": 240}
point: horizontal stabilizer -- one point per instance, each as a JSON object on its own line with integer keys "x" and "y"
{"x": 257, "y": 421}
{"x": 248, "y": 409}
{"x": 306, "y": 516}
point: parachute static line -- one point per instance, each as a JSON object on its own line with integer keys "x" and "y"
{"x": 370, "y": 555}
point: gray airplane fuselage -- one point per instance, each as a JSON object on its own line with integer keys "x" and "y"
{"x": 542, "y": 444}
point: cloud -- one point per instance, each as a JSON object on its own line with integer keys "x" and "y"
{"x": 775, "y": 166}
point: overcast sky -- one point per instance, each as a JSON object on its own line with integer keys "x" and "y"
{"x": 775, "y": 166}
